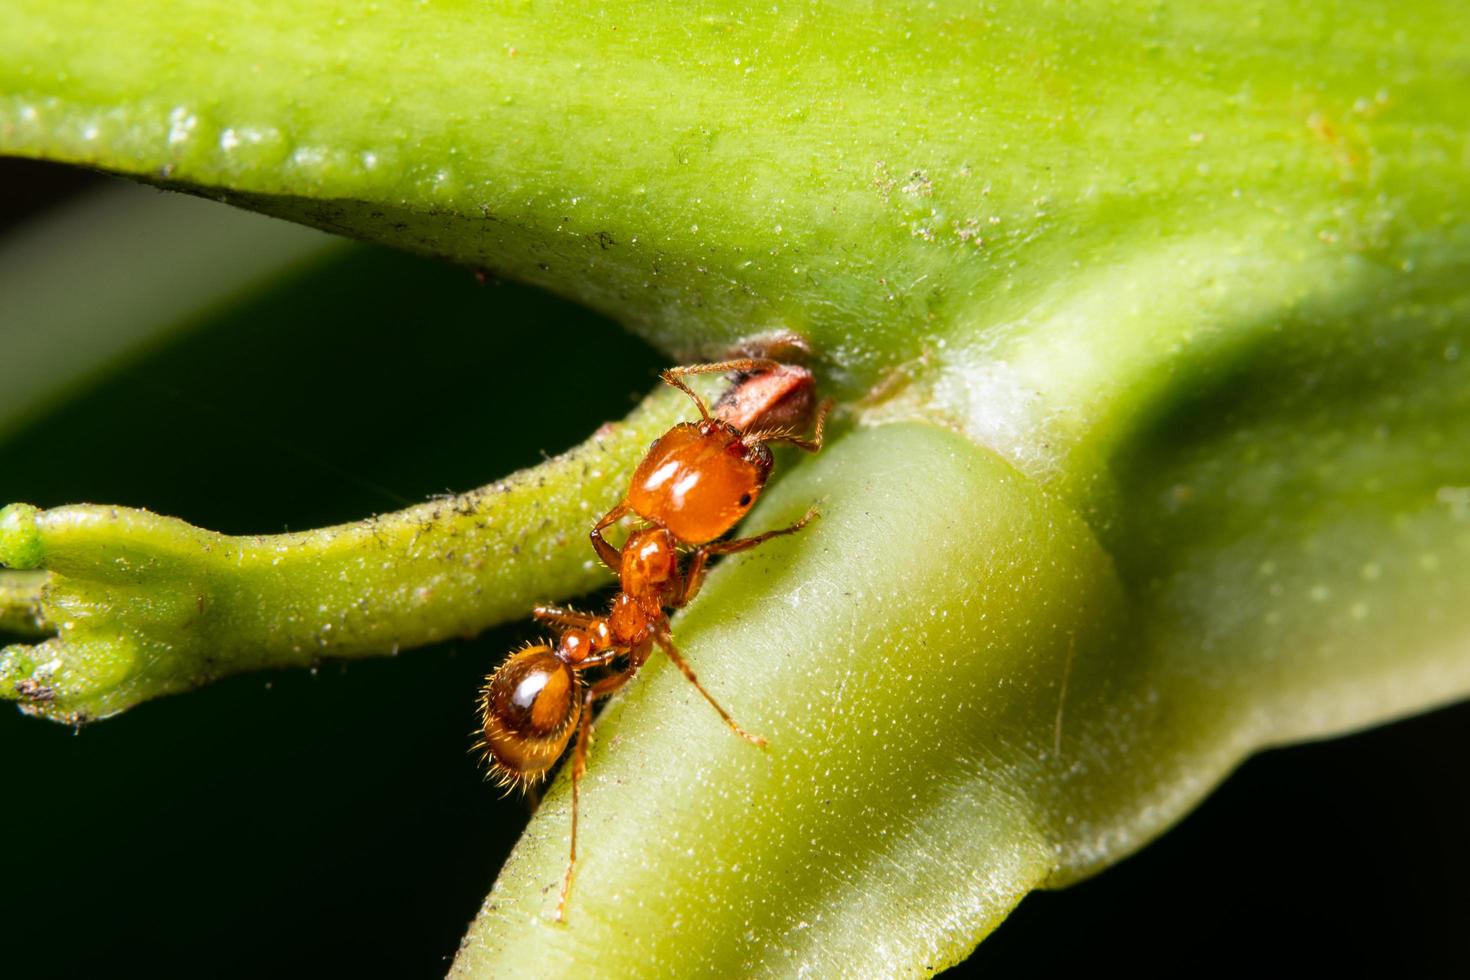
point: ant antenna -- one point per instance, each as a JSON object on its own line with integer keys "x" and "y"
{"x": 744, "y": 365}
{"x": 670, "y": 378}
{"x": 814, "y": 444}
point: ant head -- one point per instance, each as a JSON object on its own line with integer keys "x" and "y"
{"x": 530, "y": 707}
{"x": 699, "y": 479}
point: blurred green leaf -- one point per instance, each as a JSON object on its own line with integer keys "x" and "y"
{"x": 118, "y": 271}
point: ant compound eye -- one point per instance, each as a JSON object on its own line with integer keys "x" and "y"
{"x": 745, "y": 500}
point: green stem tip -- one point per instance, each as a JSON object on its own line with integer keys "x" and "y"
{"x": 144, "y": 605}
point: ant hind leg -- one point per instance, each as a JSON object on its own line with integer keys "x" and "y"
{"x": 666, "y": 643}
{"x": 600, "y": 689}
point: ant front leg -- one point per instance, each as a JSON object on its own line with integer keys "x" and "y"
{"x": 694, "y": 578}
{"x": 666, "y": 644}
{"x": 672, "y": 375}
{"x": 600, "y": 689}
{"x": 611, "y": 557}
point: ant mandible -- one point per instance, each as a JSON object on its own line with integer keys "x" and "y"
{"x": 696, "y": 482}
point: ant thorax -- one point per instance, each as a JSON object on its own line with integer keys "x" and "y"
{"x": 650, "y": 565}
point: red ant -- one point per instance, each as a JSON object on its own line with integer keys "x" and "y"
{"x": 696, "y": 482}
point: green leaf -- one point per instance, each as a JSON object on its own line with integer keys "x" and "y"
{"x": 909, "y": 665}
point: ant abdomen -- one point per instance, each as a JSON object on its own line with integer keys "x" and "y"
{"x": 530, "y": 706}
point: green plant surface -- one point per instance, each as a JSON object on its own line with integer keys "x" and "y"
{"x": 1147, "y": 326}
{"x": 144, "y": 605}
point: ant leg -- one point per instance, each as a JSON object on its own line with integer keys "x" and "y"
{"x": 666, "y": 643}
{"x": 694, "y": 578}
{"x": 602, "y": 659}
{"x": 809, "y": 445}
{"x": 562, "y": 616}
{"x": 672, "y": 375}
{"x": 698, "y": 402}
{"x": 600, "y": 689}
{"x": 743, "y": 364}
{"x": 611, "y": 557}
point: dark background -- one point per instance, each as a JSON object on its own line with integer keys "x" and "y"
{"x": 333, "y": 822}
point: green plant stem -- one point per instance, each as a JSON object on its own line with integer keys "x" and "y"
{"x": 145, "y": 605}
{"x": 963, "y": 700}
{"x": 996, "y": 182}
